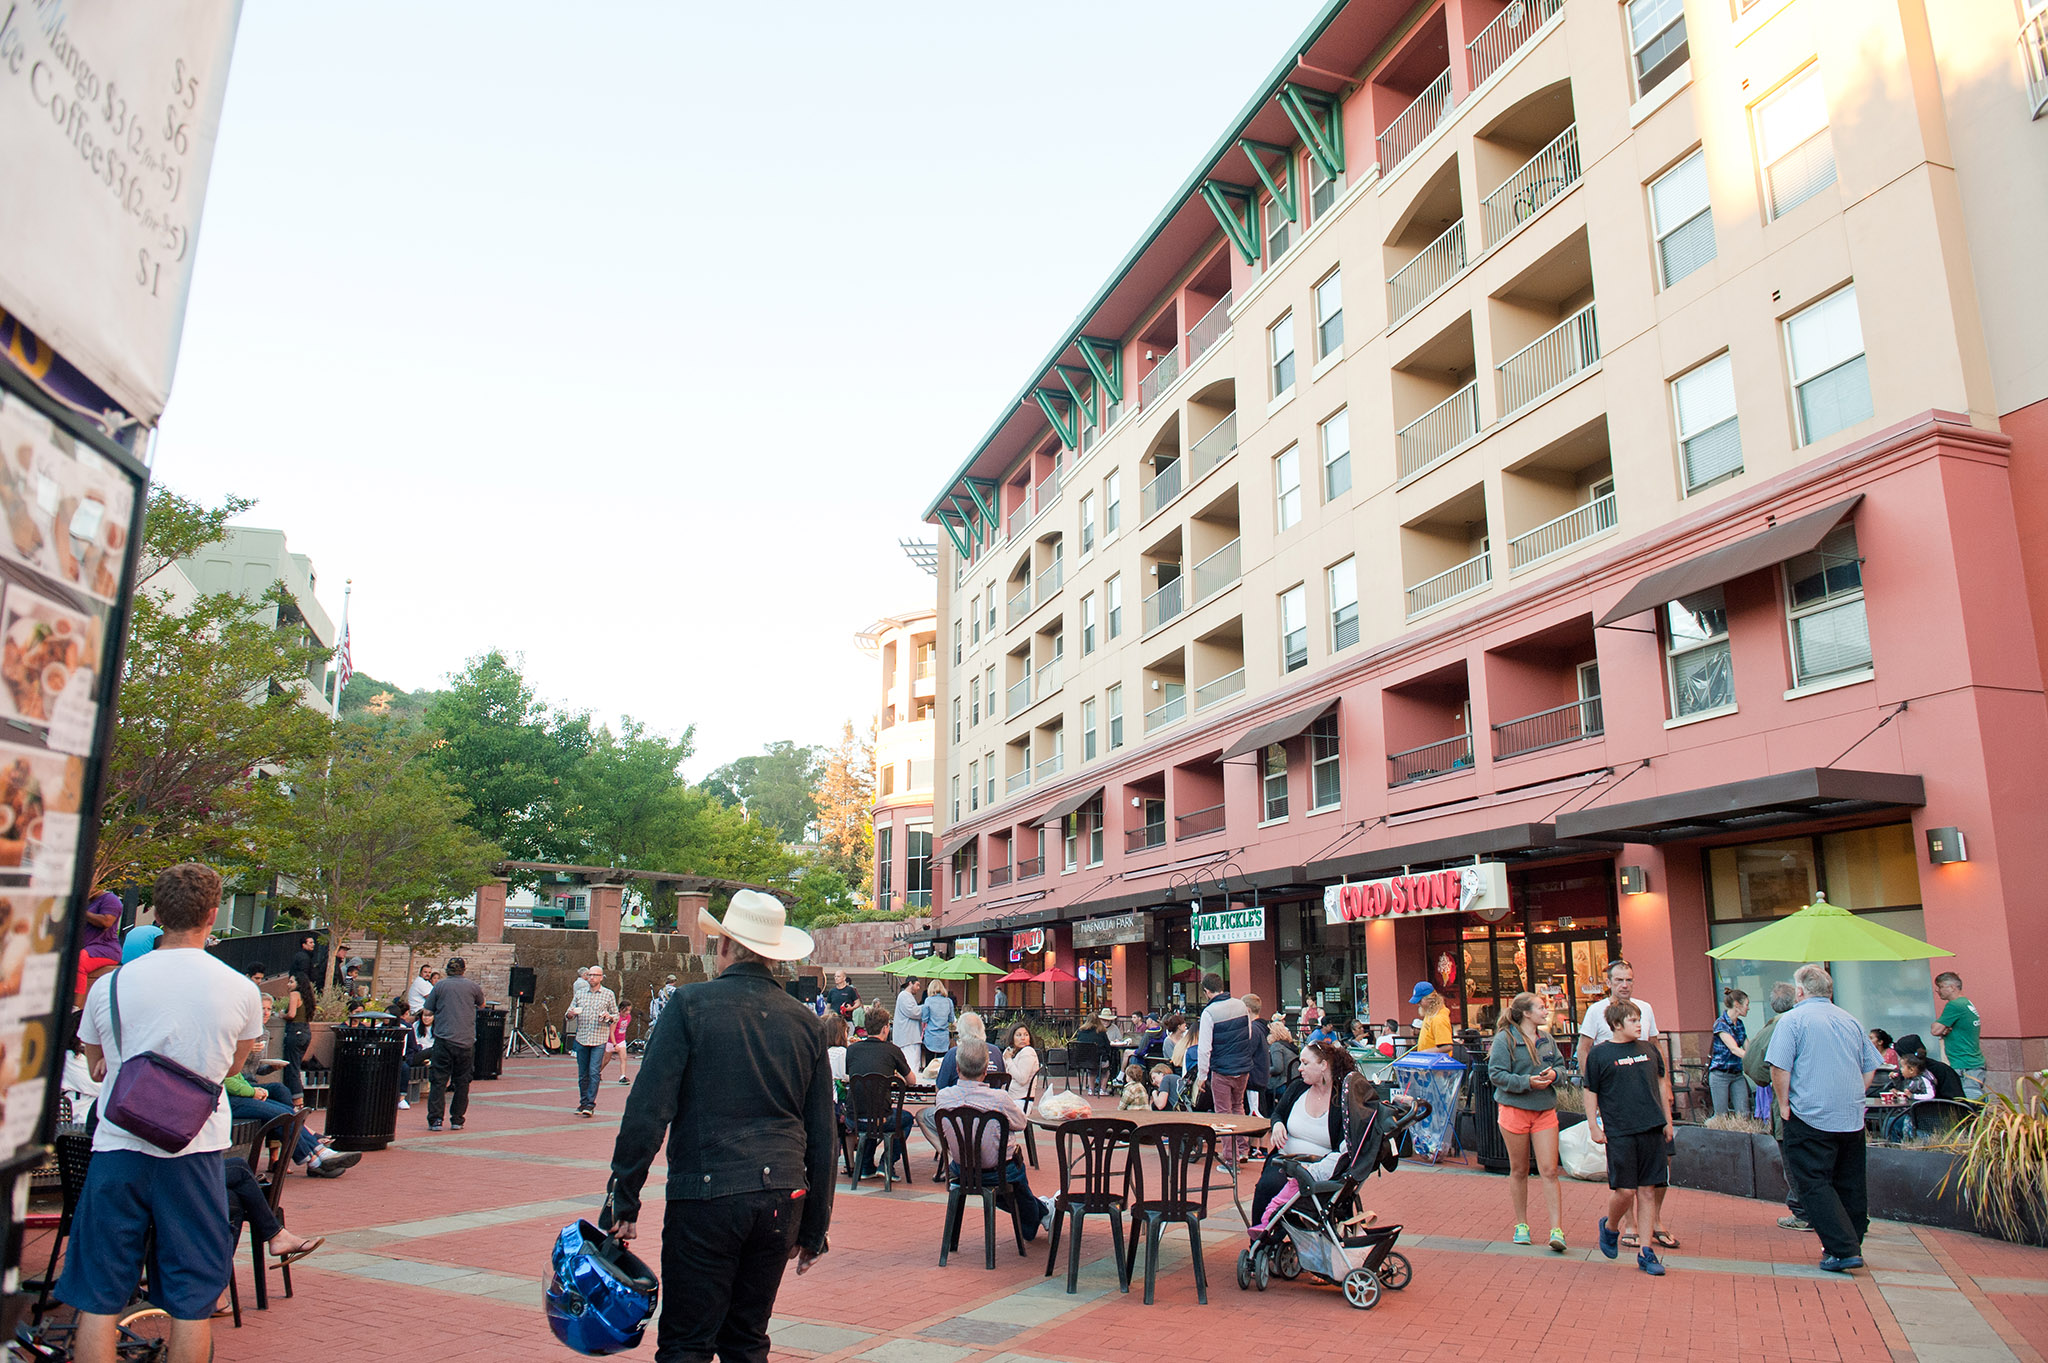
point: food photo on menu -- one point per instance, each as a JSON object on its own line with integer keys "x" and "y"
{"x": 67, "y": 510}
{"x": 15, "y": 942}
{"x": 45, "y": 649}
{"x": 39, "y": 799}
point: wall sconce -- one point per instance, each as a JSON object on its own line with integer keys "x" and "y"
{"x": 1945, "y": 845}
{"x": 1635, "y": 880}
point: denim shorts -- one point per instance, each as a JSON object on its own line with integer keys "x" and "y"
{"x": 127, "y": 1194}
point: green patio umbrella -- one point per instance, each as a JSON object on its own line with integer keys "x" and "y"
{"x": 970, "y": 965}
{"x": 1826, "y": 932}
{"x": 909, "y": 965}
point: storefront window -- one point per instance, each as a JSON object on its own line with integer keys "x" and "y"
{"x": 1872, "y": 868}
{"x": 1762, "y": 880}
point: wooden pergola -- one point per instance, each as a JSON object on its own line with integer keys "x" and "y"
{"x": 607, "y": 884}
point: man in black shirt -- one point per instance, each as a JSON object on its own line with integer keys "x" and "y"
{"x": 1628, "y": 1106}
{"x": 841, "y": 995}
{"x": 876, "y": 1054}
{"x": 451, "y": 1007}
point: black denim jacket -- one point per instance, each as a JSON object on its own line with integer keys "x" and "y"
{"x": 736, "y": 1072}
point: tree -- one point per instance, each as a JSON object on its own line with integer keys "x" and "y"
{"x": 509, "y": 756}
{"x": 846, "y": 807}
{"x": 211, "y": 700}
{"x": 774, "y": 787}
{"x": 821, "y": 890}
{"x": 625, "y": 797}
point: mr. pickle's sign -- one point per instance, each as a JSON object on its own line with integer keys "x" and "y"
{"x": 1481, "y": 889}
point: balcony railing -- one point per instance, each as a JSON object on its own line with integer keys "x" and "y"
{"x": 1196, "y": 822}
{"x": 1431, "y": 759}
{"x": 1522, "y": 196}
{"x": 1048, "y": 680}
{"x": 1046, "y": 495}
{"x": 1438, "y": 431}
{"x": 1223, "y": 688}
{"x": 1208, "y": 330}
{"x": 1175, "y": 710}
{"x": 1050, "y": 767}
{"x": 997, "y": 876}
{"x": 1164, "y": 487}
{"x": 1020, "y": 604}
{"x": 1549, "y": 728}
{"x": 1414, "y": 124}
{"x": 1213, "y": 448}
{"x": 1019, "y": 697}
{"x": 1030, "y": 868}
{"x": 1016, "y": 781}
{"x": 1049, "y": 581}
{"x": 1164, "y": 604}
{"x": 1020, "y": 516}
{"x": 1159, "y": 380}
{"x": 1144, "y": 839}
{"x": 1550, "y": 361}
{"x": 1554, "y": 537}
{"x": 1434, "y": 266}
{"x": 1218, "y": 571}
{"x": 2034, "y": 54}
{"x": 1468, "y": 577}
{"x": 1502, "y": 38}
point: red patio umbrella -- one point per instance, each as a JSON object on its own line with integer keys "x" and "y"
{"x": 1054, "y": 975}
{"x": 1017, "y": 977}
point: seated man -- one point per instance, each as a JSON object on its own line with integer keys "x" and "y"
{"x": 1151, "y": 1035}
{"x": 874, "y": 1053}
{"x": 249, "y": 1102}
{"x": 972, "y": 1092}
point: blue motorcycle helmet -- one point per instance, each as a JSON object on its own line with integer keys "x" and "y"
{"x": 599, "y": 1297}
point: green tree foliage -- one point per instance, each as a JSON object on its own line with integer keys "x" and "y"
{"x": 626, "y": 797}
{"x": 510, "y": 756}
{"x": 365, "y": 695}
{"x": 774, "y": 786}
{"x": 821, "y": 890}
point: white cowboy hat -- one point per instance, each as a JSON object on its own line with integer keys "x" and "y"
{"x": 759, "y": 923}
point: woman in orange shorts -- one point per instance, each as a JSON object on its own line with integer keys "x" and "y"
{"x": 1524, "y": 1066}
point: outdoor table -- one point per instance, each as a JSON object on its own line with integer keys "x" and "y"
{"x": 1225, "y": 1123}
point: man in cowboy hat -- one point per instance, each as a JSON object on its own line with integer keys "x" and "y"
{"x": 739, "y": 1078}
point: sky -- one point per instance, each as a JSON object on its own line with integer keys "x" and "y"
{"x": 631, "y": 338}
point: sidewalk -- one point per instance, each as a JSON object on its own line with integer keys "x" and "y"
{"x": 436, "y": 1248}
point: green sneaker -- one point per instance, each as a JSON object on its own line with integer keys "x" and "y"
{"x": 1522, "y": 1234}
{"x": 1557, "y": 1238}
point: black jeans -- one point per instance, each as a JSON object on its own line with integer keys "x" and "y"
{"x": 449, "y": 1065}
{"x": 297, "y": 1036}
{"x": 721, "y": 1266}
{"x": 246, "y": 1202}
{"x": 1825, "y": 1170}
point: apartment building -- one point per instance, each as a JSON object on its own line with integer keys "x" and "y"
{"x": 907, "y": 648}
{"x": 1555, "y": 482}
{"x": 248, "y": 562}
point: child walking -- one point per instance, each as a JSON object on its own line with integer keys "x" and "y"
{"x": 1628, "y": 1106}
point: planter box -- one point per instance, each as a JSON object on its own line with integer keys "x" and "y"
{"x": 1715, "y": 1161}
{"x": 1768, "y": 1163}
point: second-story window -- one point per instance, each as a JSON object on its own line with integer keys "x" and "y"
{"x": 1336, "y": 437}
{"x": 958, "y": 652}
{"x": 1700, "y": 666}
{"x": 973, "y": 785}
{"x": 1681, "y": 214}
{"x": 1087, "y": 522}
{"x": 1113, "y": 700}
{"x": 1113, "y": 604}
{"x": 1830, "y": 376}
{"x": 1088, "y": 624}
{"x": 1287, "y": 488}
{"x": 1329, "y": 315}
{"x": 1656, "y": 37}
{"x": 956, "y": 719}
{"x": 1088, "y": 729}
{"x": 1824, "y": 605}
{"x": 1709, "y": 438}
{"x": 1273, "y": 781}
{"x": 1280, "y": 346}
{"x": 1278, "y": 226}
{"x": 1326, "y": 778}
{"x": 1343, "y": 604}
{"x": 1294, "y": 628}
{"x": 1112, "y": 503}
{"x": 973, "y": 702}
{"x": 1792, "y": 142}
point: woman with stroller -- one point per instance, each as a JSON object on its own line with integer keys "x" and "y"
{"x": 1524, "y": 1065}
{"x": 1319, "y": 1118}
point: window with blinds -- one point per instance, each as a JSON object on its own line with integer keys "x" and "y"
{"x": 1681, "y": 215}
{"x": 1824, "y": 608}
{"x": 1709, "y": 439}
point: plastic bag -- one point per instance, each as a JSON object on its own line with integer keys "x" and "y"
{"x": 1062, "y": 1107}
{"x": 1578, "y": 1156}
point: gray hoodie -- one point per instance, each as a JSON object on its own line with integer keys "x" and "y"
{"x": 1511, "y": 1062}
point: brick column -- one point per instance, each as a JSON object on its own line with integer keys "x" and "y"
{"x": 604, "y": 916}
{"x": 490, "y": 911}
{"x": 1130, "y": 978}
{"x": 1059, "y": 942}
{"x": 688, "y": 904}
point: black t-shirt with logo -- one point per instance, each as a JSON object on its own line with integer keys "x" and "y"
{"x": 1624, "y": 1077}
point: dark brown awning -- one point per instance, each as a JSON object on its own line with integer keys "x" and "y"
{"x": 952, "y": 845}
{"x": 1787, "y": 797}
{"x": 1066, "y": 807}
{"x": 1788, "y": 539}
{"x": 1279, "y": 730}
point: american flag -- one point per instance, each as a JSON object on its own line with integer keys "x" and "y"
{"x": 346, "y": 667}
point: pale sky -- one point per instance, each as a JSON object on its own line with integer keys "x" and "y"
{"x": 631, "y": 337}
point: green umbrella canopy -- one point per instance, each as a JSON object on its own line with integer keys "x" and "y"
{"x": 964, "y": 966}
{"x": 909, "y": 965}
{"x": 1826, "y": 932}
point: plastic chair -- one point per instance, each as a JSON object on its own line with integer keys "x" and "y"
{"x": 874, "y": 1104}
{"x": 1032, "y": 1093}
{"x": 1086, "y": 1188}
{"x": 74, "y": 1158}
{"x": 1085, "y": 1059}
{"x": 270, "y": 1157}
{"x": 1182, "y": 1198}
{"x": 961, "y": 1132}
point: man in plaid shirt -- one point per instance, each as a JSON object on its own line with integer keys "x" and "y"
{"x": 593, "y": 1011}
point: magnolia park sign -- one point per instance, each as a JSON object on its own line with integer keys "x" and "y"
{"x": 1481, "y": 889}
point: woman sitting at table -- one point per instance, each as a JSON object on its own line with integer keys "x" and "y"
{"x": 1316, "y": 1125}
{"x": 1020, "y": 1059}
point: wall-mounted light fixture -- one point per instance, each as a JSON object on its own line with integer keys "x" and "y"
{"x": 1635, "y": 880}
{"x": 1945, "y": 845}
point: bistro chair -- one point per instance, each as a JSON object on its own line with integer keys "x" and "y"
{"x": 874, "y": 1108}
{"x": 1933, "y": 1117}
{"x": 1091, "y": 1185}
{"x": 74, "y": 1157}
{"x": 270, "y": 1158}
{"x": 1084, "y": 1058}
{"x": 1032, "y": 1094}
{"x": 961, "y": 1132}
{"x": 1184, "y": 1199}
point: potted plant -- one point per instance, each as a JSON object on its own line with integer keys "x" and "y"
{"x": 2001, "y": 1164}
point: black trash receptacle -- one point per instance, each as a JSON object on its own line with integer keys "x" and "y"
{"x": 1488, "y": 1146}
{"x": 362, "y": 1105}
{"x": 490, "y": 1041}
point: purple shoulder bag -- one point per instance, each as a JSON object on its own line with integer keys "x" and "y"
{"x": 154, "y": 1096}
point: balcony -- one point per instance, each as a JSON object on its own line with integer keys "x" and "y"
{"x": 998, "y": 876}
{"x": 1549, "y": 362}
{"x": 1172, "y": 712}
{"x": 1020, "y": 516}
{"x": 1213, "y": 448}
{"x": 1145, "y": 839}
{"x": 1434, "y": 266}
{"x": 1573, "y": 528}
{"x": 1438, "y": 431}
{"x": 1196, "y": 822}
{"x": 1163, "y": 605}
{"x": 1050, "y": 767}
{"x": 1218, "y": 571}
{"x": 1524, "y": 194}
{"x": 1046, "y": 495}
{"x": 1223, "y": 688}
{"x": 1047, "y": 680}
{"x": 1414, "y": 124}
{"x": 1020, "y": 606}
{"x": 1164, "y": 487}
{"x": 1030, "y": 868}
{"x": 1549, "y": 728}
{"x": 1049, "y": 581}
{"x": 1213, "y": 326}
{"x": 1019, "y": 697}
{"x": 1016, "y": 781}
{"x": 2034, "y": 54}
{"x": 1504, "y": 37}
{"x": 1431, "y": 759}
{"x": 1470, "y": 576}
{"x": 1154, "y": 384}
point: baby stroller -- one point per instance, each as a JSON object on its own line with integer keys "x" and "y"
{"x": 1310, "y": 1232}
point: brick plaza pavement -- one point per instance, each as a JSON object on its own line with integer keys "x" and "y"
{"x": 436, "y": 1247}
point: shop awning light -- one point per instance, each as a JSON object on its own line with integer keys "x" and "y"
{"x": 1635, "y": 880}
{"x": 1945, "y": 845}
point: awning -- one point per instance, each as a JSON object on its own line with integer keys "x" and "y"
{"x": 1066, "y": 807}
{"x": 1739, "y": 806}
{"x": 1788, "y": 539}
{"x": 954, "y": 844}
{"x": 1279, "y": 730}
{"x": 1492, "y": 843}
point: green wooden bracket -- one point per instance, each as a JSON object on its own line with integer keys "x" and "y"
{"x": 1318, "y": 117}
{"x": 1089, "y": 407}
{"x": 974, "y": 488}
{"x": 1225, "y": 200}
{"x": 946, "y": 522}
{"x": 1066, "y": 427}
{"x": 1283, "y": 195}
{"x": 1105, "y": 360}
{"x": 975, "y": 539}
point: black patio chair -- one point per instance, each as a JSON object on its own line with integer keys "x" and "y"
{"x": 1084, "y": 1058}
{"x": 1032, "y": 1093}
{"x": 961, "y": 1132}
{"x": 1934, "y": 1117}
{"x": 269, "y": 1155}
{"x": 74, "y": 1158}
{"x": 874, "y": 1107}
{"x": 1183, "y": 1198}
{"x": 1091, "y": 1185}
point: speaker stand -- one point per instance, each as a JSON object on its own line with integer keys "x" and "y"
{"x": 518, "y": 1043}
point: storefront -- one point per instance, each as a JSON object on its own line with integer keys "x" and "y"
{"x": 1095, "y": 943}
{"x": 1321, "y": 960}
{"x": 1176, "y": 969}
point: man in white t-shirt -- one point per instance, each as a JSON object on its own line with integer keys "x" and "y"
{"x": 187, "y": 1006}
{"x": 1593, "y": 1029}
{"x": 421, "y": 986}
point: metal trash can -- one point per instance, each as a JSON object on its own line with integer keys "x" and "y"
{"x": 1488, "y": 1145}
{"x": 490, "y": 1042}
{"x": 362, "y": 1107}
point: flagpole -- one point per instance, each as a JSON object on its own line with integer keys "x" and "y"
{"x": 348, "y": 588}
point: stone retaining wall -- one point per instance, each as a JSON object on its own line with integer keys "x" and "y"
{"x": 861, "y": 946}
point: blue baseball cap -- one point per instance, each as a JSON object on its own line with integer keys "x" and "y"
{"x": 1422, "y": 991}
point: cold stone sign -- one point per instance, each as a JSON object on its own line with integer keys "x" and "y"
{"x": 1120, "y": 930}
{"x": 1234, "y": 925}
{"x": 1481, "y": 889}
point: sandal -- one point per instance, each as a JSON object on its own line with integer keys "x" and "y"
{"x": 1665, "y": 1238}
{"x": 292, "y": 1256}
{"x": 1630, "y": 1241}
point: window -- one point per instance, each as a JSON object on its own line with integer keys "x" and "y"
{"x": 1287, "y": 488}
{"x": 1656, "y": 35}
{"x": 1087, "y": 522}
{"x": 1322, "y": 191}
{"x": 1329, "y": 315}
{"x": 973, "y": 785}
{"x": 1709, "y": 441}
{"x": 988, "y": 767}
{"x": 1325, "y": 778}
{"x": 1278, "y": 225}
{"x": 888, "y": 773}
{"x": 1682, "y": 218}
{"x": 1702, "y": 673}
{"x": 917, "y": 864}
{"x": 1112, "y": 503}
{"x": 1280, "y": 344}
{"x": 1113, "y": 605}
{"x": 956, "y": 643}
{"x": 1829, "y": 376}
{"x": 991, "y": 599}
{"x": 1090, "y": 816}
{"x": 884, "y": 836}
{"x": 973, "y": 703}
{"x": 956, "y": 719}
{"x": 1337, "y": 456}
{"x": 965, "y": 871}
{"x": 1088, "y": 624}
{"x": 1793, "y": 144}
{"x": 1115, "y": 704}
{"x": 1824, "y": 598}
{"x": 974, "y": 620}
{"x": 956, "y": 800}
{"x": 1088, "y": 729}
{"x": 1273, "y": 781}
{"x": 1343, "y": 605}
{"x": 1294, "y": 628}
